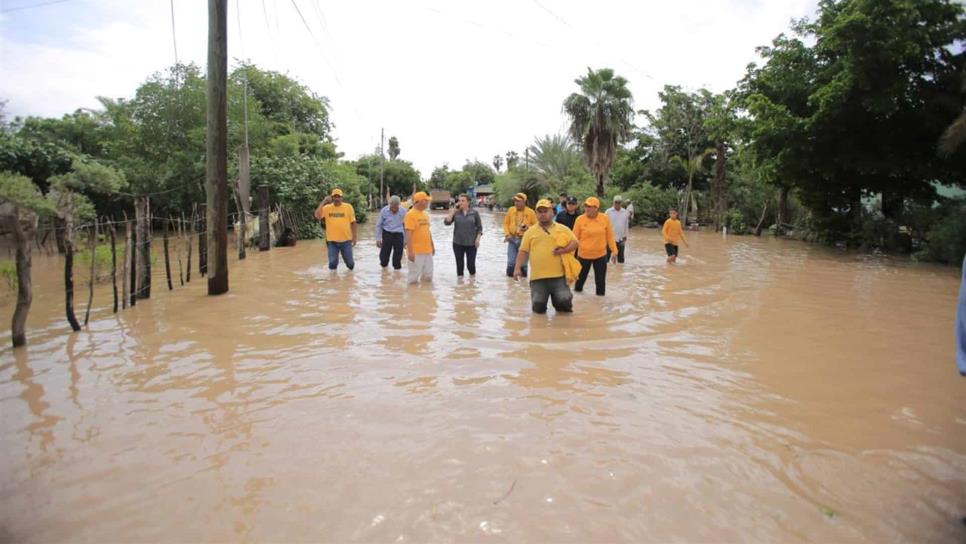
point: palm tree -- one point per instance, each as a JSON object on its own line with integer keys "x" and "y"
{"x": 553, "y": 156}
{"x": 601, "y": 116}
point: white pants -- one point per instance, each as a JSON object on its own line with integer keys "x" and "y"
{"x": 421, "y": 268}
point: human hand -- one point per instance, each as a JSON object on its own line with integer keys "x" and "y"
{"x": 379, "y": 244}
{"x": 411, "y": 256}
{"x": 613, "y": 259}
{"x": 517, "y": 274}
{"x": 477, "y": 244}
{"x": 353, "y": 242}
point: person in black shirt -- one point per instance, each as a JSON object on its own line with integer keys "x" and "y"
{"x": 568, "y": 216}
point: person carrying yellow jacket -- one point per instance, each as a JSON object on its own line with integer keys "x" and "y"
{"x": 518, "y": 219}
{"x": 595, "y": 237}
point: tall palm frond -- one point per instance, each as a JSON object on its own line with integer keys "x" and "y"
{"x": 601, "y": 116}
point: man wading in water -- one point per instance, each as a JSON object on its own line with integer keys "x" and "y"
{"x": 339, "y": 219}
{"x": 419, "y": 241}
{"x": 547, "y": 274}
{"x": 518, "y": 219}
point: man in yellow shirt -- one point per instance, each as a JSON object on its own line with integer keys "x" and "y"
{"x": 673, "y": 236}
{"x": 419, "y": 240}
{"x": 339, "y": 219}
{"x": 539, "y": 245}
{"x": 595, "y": 236}
{"x": 518, "y": 219}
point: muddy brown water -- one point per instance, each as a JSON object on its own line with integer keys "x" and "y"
{"x": 759, "y": 390}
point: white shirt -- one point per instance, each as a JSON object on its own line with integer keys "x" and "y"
{"x": 619, "y": 221}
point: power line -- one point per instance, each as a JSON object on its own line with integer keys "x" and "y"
{"x": 42, "y": 4}
{"x": 241, "y": 41}
{"x": 596, "y": 42}
{"x": 335, "y": 73}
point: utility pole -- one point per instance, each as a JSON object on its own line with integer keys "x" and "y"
{"x": 369, "y": 185}
{"x": 382, "y": 167}
{"x": 216, "y": 183}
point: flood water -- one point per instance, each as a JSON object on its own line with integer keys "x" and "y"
{"x": 759, "y": 390}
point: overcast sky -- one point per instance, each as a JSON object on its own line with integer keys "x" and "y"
{"x": 452, "y": 80}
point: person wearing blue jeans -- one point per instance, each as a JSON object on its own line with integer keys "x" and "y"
{"x": 343, "y": 248}
{"x": 339, "y": 219}
{"x": 512, "y": 249}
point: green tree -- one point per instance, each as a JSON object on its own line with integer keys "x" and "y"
{"x": 512, "y": 158}
{"x": 859, "y": 112}
{"x": 393, "y": 148}
{"x": 497, "y": 163}
{"x": 601, "y": 117}
{"x": 400, "y": 176}
{"x": 682, "y": 126}
{"x": 554, "y": 156}
{"x": 20, "y": 205}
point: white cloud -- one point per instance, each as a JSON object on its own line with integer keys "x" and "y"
{"x": 452, "y": 80}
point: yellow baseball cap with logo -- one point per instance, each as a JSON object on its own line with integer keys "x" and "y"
{"x": 592, "y": 201}
{"x": 420, "y": 196}
{"x": 544, "y": 204}
{"x": 336, "y": 192}
{"x": 520, "y": 196}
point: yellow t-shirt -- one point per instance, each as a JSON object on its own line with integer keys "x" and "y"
{"x": 514, "y": 220}
{"x": 338, "y": 221}
{"x": 594, "y": 236}
{"x": 418, "y": 223}
{"x": 672, "y": 231}
{"x": 539, "y": 246}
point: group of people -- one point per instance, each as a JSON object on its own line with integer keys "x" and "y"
{"x": 552, "y": 245}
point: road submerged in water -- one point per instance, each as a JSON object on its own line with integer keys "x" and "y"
{"x": 759, "y": 390}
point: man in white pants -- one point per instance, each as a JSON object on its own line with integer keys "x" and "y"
{"x": 419, "y": 240}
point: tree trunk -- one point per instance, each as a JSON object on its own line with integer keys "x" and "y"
{"x": 264, "y": 232}
{"x": 687, "y": 203}
{"x": 782, "y": 211}
{"x": 114, "y": 263}
{"x": 190, "y": 228}
{"x": 216, "y": 186}
{"x": 125, "y": 272}
{"x": 761, "y": 221}
{"x": 143, "y": 214}
{"x": 167, "y": 260}
{"x": 132, "y": 265}
{"x": 69, "y": 275}
{"x": 718, "y": 184}
{"x": 179, "y": 234}
{"x": 60, "y": 230}
{"x": 600, "y": 184}
{"x": 90, "y": 282}
{"x": 24, "y": 287}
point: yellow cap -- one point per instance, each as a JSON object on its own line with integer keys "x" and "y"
{"x": 336, "y": 192}
{"x": 520, "y": 196}
{"x": 592, "y": 201}
{"x": 544, "y": 204}
{"x": 420, "y": 196}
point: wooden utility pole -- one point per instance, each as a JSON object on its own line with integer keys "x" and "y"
{"x": 382, "y": 168}
{"x": 216, "y": 185}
